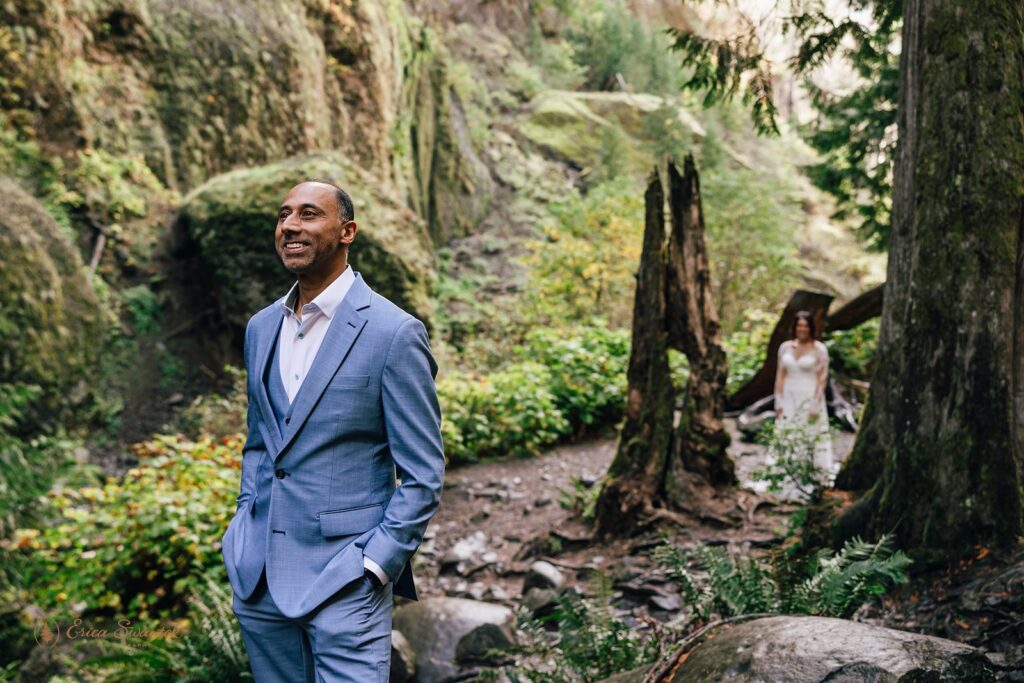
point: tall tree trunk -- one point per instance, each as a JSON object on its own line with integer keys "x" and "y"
{"x": 700, "y": 439}
{"x": 942, "y": 439}
{"x": 634, "y": 479}
{"x": 658, "y": 467}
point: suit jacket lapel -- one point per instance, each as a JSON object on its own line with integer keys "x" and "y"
{"x": 345, "y": 327}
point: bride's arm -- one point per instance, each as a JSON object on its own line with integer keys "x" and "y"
{"x": 819, "y": 389}
{"x": 780, "y": 379}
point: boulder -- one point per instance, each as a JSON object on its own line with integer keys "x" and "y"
{"x": 403, "y": 659}
{"x": 230, "y": 222}
{"x": 51, "y": 325}
{"x": 448, "y": 635}
{"x": 812, "y": 649}
{"x": 542, "y": 574}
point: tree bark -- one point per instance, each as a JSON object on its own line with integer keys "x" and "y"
{"x": 700, "y": 440}
{"x": 942, "y": 440}
{"x": 658, "y": 467}
{"x": 634, "y": 479}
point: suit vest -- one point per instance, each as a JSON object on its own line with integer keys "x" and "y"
{"x": 279, "y": 402}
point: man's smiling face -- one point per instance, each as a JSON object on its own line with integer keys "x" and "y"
{"x": 311, "y": 234}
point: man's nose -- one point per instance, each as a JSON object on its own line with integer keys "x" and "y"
{"x": 289, "y": 223}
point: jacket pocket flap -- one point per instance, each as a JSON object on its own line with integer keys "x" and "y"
{"x": 350, "y": 521}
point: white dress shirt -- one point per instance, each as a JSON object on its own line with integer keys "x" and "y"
{"x": 300, "y": 339}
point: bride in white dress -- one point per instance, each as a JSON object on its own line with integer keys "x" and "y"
{"x": 800, "y": 390}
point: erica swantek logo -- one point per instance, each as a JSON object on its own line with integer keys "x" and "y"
{"x": 49, "y": 632}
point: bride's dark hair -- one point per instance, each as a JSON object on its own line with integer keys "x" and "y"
{"x": 804, "y": 315}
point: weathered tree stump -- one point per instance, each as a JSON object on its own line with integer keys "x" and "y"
{"x": 659, "y": 467}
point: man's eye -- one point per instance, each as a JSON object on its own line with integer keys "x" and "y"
{"x": 308, "y": 214}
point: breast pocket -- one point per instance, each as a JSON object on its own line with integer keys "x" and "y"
{"x": 353, "y": 399}
{"x": 350, "y": 381}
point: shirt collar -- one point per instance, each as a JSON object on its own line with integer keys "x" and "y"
{"x": 326, "y": 301}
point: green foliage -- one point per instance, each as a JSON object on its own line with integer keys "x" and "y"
{"x": 566, "y": 381}
{"x": 510, "y": 412}
{"x": 729, "y": 67}
{"x": 725, "y": 585}
{"x": 592, "y": 643}
{"x": 610, "y": 41}
{"x": 134, "y": 546}
{"x": 856, "y": 131}
{"x": 746, "y": 347}
{"x": 834, "y": 585}
{"x": 839, "y": 584}
{"x": 580, "y": 499}
{"x": 790, "y": 458}
{"x": 752, "y": 242}
{"x": 212, "y": 651}
{"x": 43, "y": 176}
{"x": 853, "y": 351}
{"x": 586, "y": 261}
{"x": 587, "y": 366}
{"x": 27, "y": 465}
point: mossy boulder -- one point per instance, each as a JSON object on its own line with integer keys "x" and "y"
{"x": 586, "y": 129}
{"x": 231, "y": 219}
{"x": 51, "y": 328}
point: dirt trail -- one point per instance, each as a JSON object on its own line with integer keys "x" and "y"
{"x": 495, "y": 518}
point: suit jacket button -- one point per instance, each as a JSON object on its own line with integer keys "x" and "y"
{"x": 287, "y": 420}
{"x": 280, "y": 473}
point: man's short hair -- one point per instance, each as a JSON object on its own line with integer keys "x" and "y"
{"x": 347, "y": 211}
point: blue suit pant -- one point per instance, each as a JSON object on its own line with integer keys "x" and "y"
{"x": 346, "y": 639}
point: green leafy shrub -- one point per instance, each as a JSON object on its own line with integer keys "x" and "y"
{"x": 27, "y": 465}
{"x": 580, "y": 499}
{"x": 134, "y": 546}
{"x": 511, "y": 412}
{"x": 746, "y": 347}
{"x": 608, "y": 40}
{"x": 853, "y": 351}
{"x": 790, "y": 458}
{"x": 592, "y": 643}
{"x": 839, "y": 584}
{"x": 211, "y": 651}
{"x": 587, "y": 366}
{"x": 730, "y": 586}
{"x": 835, "y": 585}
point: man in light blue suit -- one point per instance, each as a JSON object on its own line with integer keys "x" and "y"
{"x": 341, "y": 393}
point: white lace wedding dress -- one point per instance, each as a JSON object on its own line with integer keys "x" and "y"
{"x": 804, "y": 379}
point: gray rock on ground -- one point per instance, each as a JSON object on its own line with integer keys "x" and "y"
{"x": 403, "y": 659}
{"x": 450, "y": 636}
{"x": 543, "y": 574}
{"x": 803, "y": 649}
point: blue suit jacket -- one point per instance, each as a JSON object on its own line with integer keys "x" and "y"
{"x": 319, "y": 495}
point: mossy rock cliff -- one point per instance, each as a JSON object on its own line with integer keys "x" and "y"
{"x": 51, "y": 329}
{"x": 231, "y": 219}
{"x": 202, "y": 87}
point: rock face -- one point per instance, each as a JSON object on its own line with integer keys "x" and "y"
{"x": 230, "y": 221}
{"x": 449, "y": 635}
{"x": 50, "y": 321}
{"x": 813, "y": 649}
{"x": 208, "y": 86}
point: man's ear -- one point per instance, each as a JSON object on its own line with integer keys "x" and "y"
{"x": 348, "y": 232}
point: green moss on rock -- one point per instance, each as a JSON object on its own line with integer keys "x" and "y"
{"x": 51, "y": 328}
{"x": 231, "y": 219}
